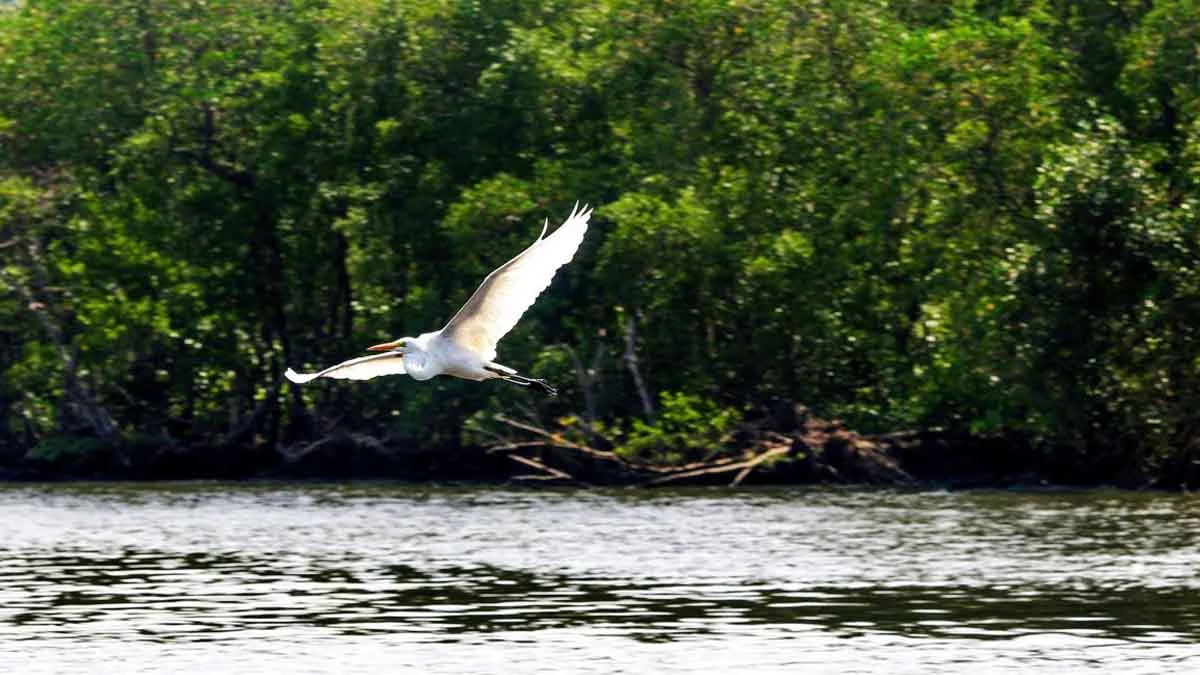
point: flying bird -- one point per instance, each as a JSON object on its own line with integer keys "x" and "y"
{"x": 466, "y": 347}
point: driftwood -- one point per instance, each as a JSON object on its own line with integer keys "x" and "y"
{"x": 745, "y": 466}
{"x": 814, "y": 450}
{"x": 629, "y": 471}
{"x": 550, "y": 440}
{"x": 550, "y": 471}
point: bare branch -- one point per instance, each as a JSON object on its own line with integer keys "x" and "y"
{"x": 585, "y": 385}
{"x": 557, "y": 440}
{"x": 96, "y": 416}
{"x": 557, "y": 473}
{"x": 241, "y": 178}
{"x": 725, "y": 468}
{"x": 631, "y": 360}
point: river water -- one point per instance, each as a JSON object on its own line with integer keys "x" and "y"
{"x": 208, "y": 578}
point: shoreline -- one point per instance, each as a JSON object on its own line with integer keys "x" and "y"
{"x": 814, "y": 452}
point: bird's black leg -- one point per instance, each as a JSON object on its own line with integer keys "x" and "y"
{"x": 524, "y": 381}
{"x": 551, "y": 391}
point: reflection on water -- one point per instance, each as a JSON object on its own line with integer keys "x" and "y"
{"x": 203, "y": 578}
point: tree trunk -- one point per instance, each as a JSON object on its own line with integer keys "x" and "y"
{"x": 77, "y": 392}
{"x": 631, "y": 361}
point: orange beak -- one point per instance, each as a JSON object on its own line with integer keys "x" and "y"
{"x": 385, "y": 347}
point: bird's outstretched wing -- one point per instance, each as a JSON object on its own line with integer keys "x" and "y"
{"x": 508, "y": 291}
{"x": 362, "y": 368}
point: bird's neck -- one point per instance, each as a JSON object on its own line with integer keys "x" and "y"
{"x": 416, "y": 360}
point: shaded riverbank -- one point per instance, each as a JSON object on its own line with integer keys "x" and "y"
{"x": 788, "y": 449}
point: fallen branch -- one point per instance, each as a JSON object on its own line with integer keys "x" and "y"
{"x": 767, "y": 445}
{"x": 555, "y": 440}
{"x": 504, "y": 446}
{"x": 556, "y": 473}
{"x": 773, "y": 452}
{"x": 725, "y": 468}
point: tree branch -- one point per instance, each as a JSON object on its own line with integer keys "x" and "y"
{"x": 556, "y": 473}
{"x": 745, "y": 467}
{"x": 586, "y": 381}
{"x": 96, "y": 416}
{"x": 631, "y": 361}
{"x": 239, "y": 177}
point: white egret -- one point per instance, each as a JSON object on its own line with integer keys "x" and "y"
{"x": 466, "y": 347}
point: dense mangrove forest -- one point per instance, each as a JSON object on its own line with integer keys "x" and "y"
{"x": 901, "y": 236}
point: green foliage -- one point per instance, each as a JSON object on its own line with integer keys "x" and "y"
{"x": 58, "y": 450}
{"x": 970, "y": 215}
{"x": 686, "y": 427}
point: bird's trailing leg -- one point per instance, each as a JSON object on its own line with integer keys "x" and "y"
{"x": 509, "y": 375}
{"x": 526, "y": 381}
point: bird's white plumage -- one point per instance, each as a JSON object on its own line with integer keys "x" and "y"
{"x": 504, "y": 296}
{"x": 467, "y": 345}
{"x": 362, "y": 368}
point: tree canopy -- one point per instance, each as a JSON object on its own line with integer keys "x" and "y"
{"x": 979, "y": 214}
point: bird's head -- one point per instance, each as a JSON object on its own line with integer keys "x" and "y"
{"x": 403, "y": 345}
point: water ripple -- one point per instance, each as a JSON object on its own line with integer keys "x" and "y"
{"x": 869, "y": 580}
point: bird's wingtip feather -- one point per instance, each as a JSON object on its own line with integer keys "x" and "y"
{"x": 580, "y": 213}
{"x": 297, "y": 377}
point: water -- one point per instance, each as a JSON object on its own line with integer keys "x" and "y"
{"x": 204, "y": 578}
